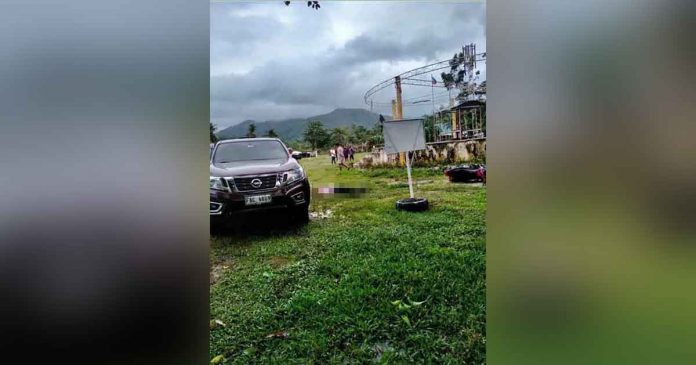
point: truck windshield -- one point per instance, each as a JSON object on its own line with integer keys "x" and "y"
{"x": 249, "y": 150}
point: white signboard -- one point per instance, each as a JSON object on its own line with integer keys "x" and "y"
{"x": 404, "y": 135}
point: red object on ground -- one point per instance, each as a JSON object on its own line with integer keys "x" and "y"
{"x": 467, "y": 173}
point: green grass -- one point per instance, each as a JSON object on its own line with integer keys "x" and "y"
{"x": 348, "y": 289}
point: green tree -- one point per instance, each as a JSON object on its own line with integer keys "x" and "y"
{"x": 316, "y": 135}
{"x": 428, "y": 127}
{"x": 463, "y": 74}
{"x": 358, "y": 134}
{"x": 272, "y": 133}
{"x": 213, "y": 137}
{"x": 376, "y": 135}
{"x": 251, "y": 131}
{"x": 442, "y": 122}
{"x": 339, "y": 135}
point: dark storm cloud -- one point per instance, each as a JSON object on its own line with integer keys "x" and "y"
{"x": 366, "y": 48}
{"x": 270, "y": 62}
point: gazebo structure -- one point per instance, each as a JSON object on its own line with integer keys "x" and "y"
{"x": 469, "y": 120}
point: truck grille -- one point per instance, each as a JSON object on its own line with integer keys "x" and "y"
{"x": 244, "y": 183}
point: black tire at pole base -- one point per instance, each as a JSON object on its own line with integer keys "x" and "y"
{"x": 412, "y": 204}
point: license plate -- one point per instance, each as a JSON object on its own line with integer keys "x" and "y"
{"x": 257, "y": 199}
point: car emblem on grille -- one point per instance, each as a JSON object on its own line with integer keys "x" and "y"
{"x": 256, "y": 183}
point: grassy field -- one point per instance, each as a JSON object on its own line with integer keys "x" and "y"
{"x": 362, "y": 283}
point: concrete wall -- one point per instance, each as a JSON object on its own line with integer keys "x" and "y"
{"x": 450, "y": 151}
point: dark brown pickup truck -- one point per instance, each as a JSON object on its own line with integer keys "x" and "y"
{"x": 256, "y": 174}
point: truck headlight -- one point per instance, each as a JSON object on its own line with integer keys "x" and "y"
{"x": 218, "y": 183}
{"x": 293, "y": 175}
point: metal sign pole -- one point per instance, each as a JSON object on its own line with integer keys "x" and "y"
{"x": 406, "y": 136}
{"x": 408, "y": 170}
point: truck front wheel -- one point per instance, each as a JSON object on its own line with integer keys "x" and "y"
{"x": 300, "y": 214}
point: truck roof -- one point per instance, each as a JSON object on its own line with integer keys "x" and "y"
{"x": 250, "y": 139}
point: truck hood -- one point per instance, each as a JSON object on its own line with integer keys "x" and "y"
{"x": 254, "y": 167}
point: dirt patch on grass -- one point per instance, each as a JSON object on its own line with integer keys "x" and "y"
{"x": 218, "y": 268}
{"x": 277, "y": 262}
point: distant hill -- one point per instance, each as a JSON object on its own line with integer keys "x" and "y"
{"x": 291, "y": 129}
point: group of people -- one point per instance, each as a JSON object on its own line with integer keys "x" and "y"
{"x": 343, "y": 155}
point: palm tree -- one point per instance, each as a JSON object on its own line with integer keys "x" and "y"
{"x": 251, "y": 131}
{"x": 213, "y": 137}
{"x": 339, "y": 135}
{"x": 315, "y": 134}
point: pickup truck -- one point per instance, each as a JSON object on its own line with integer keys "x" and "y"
{"x": 252, "y": 174}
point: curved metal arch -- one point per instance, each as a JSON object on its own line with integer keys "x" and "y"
{"x": 408, "y": 75}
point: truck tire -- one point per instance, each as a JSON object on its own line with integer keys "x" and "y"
{"x": 412, "y": 204}
{"x": 300, "y": 214}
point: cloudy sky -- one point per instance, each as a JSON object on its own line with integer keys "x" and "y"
{"x": 270, "y": 61}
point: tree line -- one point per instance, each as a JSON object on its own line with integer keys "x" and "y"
{"x": 316, "y": 136}
{"x": 251, "y": 132}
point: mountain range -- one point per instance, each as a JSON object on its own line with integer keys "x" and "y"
{"x": 292, "y": 129}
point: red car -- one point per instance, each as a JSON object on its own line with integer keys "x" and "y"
{"x": 467, "y": 173}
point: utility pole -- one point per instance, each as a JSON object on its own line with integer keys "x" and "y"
{"x": 453, "y": 117}
{"x": 399, "y": 110}
{"x": 432, "y": 99}
{"x": 398, "y": 115}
